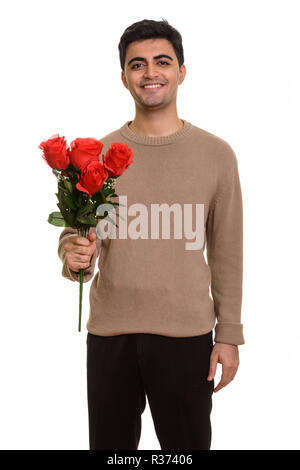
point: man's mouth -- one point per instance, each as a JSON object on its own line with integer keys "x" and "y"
{"x": 152, "y": 87}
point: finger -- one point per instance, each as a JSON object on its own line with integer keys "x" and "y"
{"x": 212, "y": 366}
{"x": 75, "y": 266}
{"x": 80, "y": 258}
{"x": 225, "y": 378}
{"x": 82, "y": 250}
{"x": 78, "y": 266}
{"x": 233, "y": 374}
{"x": 81, "y": 241}
{"x": 92, "y": 236}
{"x": 220, "y": 385}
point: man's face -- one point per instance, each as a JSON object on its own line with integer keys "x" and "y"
{"x": 146, "y": 69}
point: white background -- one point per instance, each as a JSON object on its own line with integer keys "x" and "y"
{"x": 60, "y": 73}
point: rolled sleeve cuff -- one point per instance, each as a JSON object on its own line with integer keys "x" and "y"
{"x": 229, "y": 333}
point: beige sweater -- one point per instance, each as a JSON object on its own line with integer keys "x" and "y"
{"x": 157, "y": 285}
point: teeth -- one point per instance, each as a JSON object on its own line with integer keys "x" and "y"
{"x": 152, "y": 86}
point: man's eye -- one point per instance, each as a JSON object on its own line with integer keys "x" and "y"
{"x": 160, "y": 62}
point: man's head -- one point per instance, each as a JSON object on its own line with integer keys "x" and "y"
{"x": 151, "y": 52}
{"x": 150, "y": 29}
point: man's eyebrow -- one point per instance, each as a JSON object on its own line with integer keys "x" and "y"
{"x": 142, "y": 59}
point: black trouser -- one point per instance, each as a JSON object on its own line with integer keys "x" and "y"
{"x": 171, "y": 371}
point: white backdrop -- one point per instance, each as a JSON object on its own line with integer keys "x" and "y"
{"x": 60, "y": 73}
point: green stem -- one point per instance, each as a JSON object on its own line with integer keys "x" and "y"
{"x": 81, "y": 275}
{"x": 83, "y": 232}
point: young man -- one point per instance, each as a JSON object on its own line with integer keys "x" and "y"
{"x": 151, "y": 314}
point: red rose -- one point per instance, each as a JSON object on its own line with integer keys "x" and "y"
{"x": 83, "y": 151}
{"x": 118, "y": 157}
{"x": 55, "y": 152}
{"x": 92, "y": 178}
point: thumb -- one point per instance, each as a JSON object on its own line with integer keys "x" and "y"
{"x": 213, "y": 366}
{"x": 92, "y": 236}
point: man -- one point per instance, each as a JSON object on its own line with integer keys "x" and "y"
{"x": 151, "y": 315}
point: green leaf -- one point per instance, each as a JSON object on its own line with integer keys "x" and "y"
{"x": 55, "y": 218}
{"x": 61, "y": 186}
{"x": 89, "y": 220}
{"x": 70, "y": 202}
{"x": 65, "y": 210}
{"x": 68, "y": 185}
{"x": 83, "y": 210}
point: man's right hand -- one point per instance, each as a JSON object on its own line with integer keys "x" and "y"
{"x": 79, "y": 251}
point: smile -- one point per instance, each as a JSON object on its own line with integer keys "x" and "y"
{"x": 152, "y": 86}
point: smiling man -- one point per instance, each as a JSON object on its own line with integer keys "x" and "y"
{"x": 152, "y": 75}
{"x": 152, "y": 315}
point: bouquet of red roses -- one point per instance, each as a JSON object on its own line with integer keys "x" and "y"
{"x": 84, "y": 183}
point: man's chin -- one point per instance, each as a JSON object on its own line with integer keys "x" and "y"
{"x": 151, "y": 103}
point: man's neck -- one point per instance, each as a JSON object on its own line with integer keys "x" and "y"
{"x": 155, "y": 128}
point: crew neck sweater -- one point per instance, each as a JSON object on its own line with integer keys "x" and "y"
{"x": 154, "y": 284}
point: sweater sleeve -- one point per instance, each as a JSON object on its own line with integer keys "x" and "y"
{"x": 66, "y": 271}
{"x": 224, "y": 236}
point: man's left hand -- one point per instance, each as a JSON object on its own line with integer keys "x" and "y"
{"x": 228, "y": 356}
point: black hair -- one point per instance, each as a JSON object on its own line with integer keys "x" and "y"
{"x": 148, "y": 29}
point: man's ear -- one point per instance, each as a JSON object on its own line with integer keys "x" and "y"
{"x": 182, "y": 73}
{"x": 123, "y": 78}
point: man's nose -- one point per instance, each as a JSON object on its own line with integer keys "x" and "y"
{"x": 151, "y": 71}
